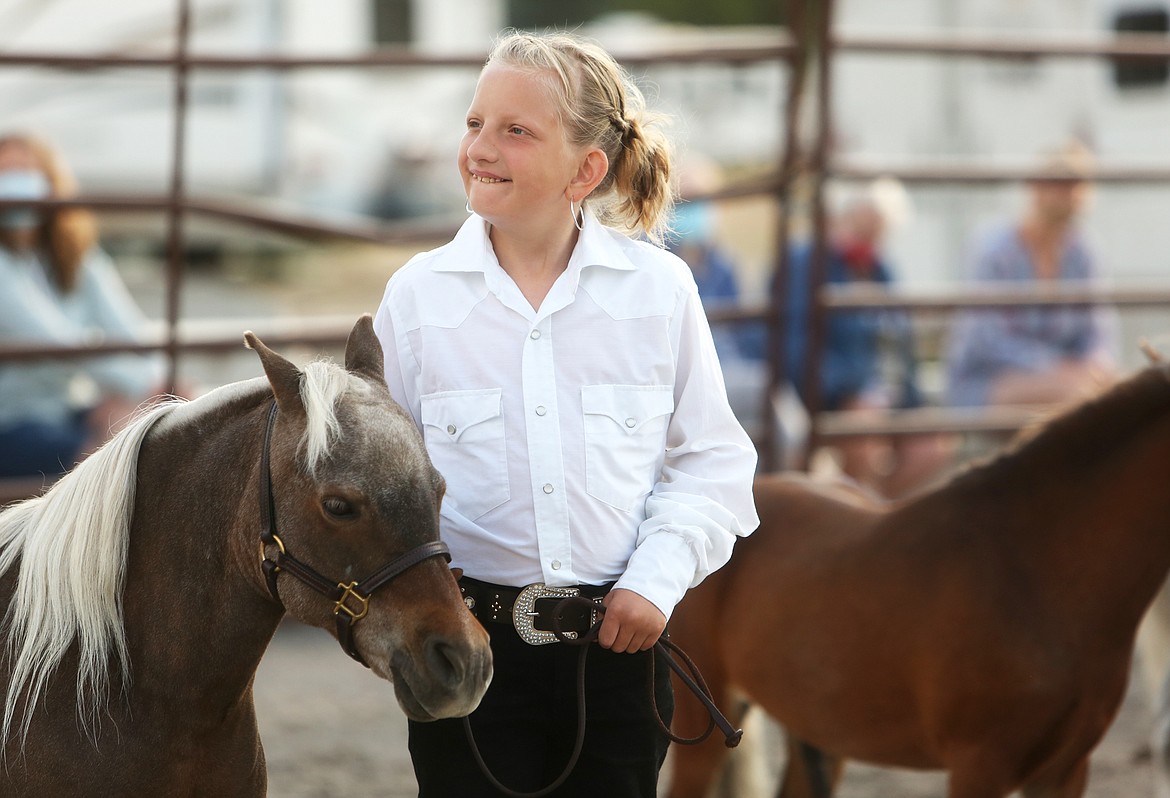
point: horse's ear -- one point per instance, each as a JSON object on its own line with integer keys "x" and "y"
{"x": 363, "y": 351}
{"x": 284, "y": 377}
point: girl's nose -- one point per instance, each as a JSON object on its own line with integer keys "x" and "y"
{"x": 481, "y": 147}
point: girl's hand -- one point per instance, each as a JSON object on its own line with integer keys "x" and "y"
{"x": 630, "y": 624}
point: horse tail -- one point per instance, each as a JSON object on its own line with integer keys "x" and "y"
{"x": 72, "y": 544}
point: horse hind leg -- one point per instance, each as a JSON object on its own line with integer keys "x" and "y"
{"x": 1071, "y": 785}
{"x": 810, "y": 772}
{"x": 984, "y": 780}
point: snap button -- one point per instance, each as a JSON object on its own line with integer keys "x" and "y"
{"x": 631, "y": 422}
{"x": 556, "y": 565}
{"x": 548, "y": 488}
{"x": 540, "y": 411}
{"x": 534, "y": 334}
{"x": 450, "y": 429}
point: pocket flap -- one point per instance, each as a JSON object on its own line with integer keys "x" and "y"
{"x": 629, "y": 406}
{"x": 454, "y": 412}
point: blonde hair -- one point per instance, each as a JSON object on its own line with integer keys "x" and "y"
{"x": 600, "y": 106}
{"x": 65, "y": 234}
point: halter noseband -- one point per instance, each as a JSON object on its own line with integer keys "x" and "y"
{"x": 352, "y": 600}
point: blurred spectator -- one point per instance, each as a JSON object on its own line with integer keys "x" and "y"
{"x": 1035, "y": 355}
{"x": 58, "y": 287}
{"x": 692, "y": 237}
{"x": 860, "y": 347}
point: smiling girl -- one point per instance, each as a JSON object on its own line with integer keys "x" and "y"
{"x": 562, "y": 373}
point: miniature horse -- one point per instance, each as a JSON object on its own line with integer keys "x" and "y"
{"x": 139, "y": 606}
{"x": 984, "y": 628}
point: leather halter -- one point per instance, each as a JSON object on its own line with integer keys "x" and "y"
{"x": 350, "y": 600}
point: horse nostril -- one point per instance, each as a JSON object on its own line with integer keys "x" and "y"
{"x": 445, "y": 662}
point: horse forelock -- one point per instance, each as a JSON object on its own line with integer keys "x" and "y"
{"x": 71, "y": 544}
{"x": 325, "y": 384}
{"x": 336, "y": 400}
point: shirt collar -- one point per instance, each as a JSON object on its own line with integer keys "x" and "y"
{"x": 599, "y": 246}
{"x": 596, "y": 246}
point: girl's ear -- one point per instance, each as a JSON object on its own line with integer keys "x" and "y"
{"x": 594, "y": 167}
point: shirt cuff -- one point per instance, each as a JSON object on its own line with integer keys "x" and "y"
{"x": 661, "y": 570}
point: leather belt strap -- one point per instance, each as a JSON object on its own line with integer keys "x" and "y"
{"x": 540, "y": 607}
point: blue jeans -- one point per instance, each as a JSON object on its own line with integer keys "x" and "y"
{"x": 35, "y": 448}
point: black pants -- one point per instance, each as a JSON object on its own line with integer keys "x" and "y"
{"x": 526, "y": 725}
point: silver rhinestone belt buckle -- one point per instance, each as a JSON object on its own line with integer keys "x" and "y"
{"x": 524, "y": 613}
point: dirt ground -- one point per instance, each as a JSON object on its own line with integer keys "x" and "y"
{"x": 333, "y": 730}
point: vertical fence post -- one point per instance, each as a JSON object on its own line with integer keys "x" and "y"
{"x": 772, "y": 454}
{"x": 175, "y": 197}
{"x": 819, "y": 262}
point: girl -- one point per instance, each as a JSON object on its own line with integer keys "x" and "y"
{"x": 564, "y": 378}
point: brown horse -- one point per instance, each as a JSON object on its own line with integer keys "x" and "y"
{"x": 139, "y": 606}
{"x": 984, "y": 628}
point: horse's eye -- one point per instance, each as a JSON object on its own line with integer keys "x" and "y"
{"x": 337, "y": 507}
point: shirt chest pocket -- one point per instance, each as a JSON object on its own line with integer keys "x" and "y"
{"x": 464, "y": 434}
{"x": 625, "y": 440}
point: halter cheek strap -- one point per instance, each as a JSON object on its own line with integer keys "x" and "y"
{"x": 351, "y": 601}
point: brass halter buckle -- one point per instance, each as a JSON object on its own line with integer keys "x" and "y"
{"x": 341, "y": 606}
{"x": 276, "y": 541}
{"x": 524, "y": 613}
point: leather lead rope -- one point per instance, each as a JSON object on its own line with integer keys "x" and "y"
{"x": 665, "y": 648}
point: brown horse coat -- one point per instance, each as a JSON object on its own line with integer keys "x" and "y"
{"x": 984, "y": 628}
{"x": 196, "y": 613}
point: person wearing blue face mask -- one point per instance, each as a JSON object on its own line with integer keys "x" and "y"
{"x": 58, "y": 287}
{"x": 692, "y": 238}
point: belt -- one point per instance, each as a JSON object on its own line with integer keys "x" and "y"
{"x": 533, "y": 610}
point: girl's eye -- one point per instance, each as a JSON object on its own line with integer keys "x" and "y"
{"x": 337, "y": 507}
{"x": 519, "y": 131}
{"x": 472, "y": 124}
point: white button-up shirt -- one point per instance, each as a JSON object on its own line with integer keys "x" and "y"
{"x": 586, "y": 442}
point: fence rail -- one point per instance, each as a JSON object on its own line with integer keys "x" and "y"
{"x": 808, "y": 55}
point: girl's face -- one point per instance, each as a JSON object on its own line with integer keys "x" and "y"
{"x": 515, "y": 159}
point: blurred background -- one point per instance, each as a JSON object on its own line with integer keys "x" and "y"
{"x": 267, "y": 164}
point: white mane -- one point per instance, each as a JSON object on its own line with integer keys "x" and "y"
{"x": 72, "y": 545}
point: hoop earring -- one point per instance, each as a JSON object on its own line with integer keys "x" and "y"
{"x": 573, "y": 213}
{"x": 468, "y": 205}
